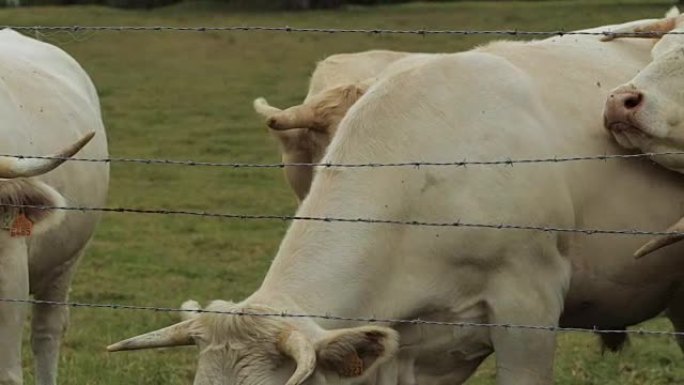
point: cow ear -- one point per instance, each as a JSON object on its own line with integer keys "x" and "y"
{"x": 353, "y": 92}
{"x": 29, "y": 192}
{"x": 353, "y": 352}
{"x": 294, "y": 140}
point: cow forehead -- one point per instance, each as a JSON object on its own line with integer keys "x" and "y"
{"x": 663, "y": 71}
{"x": 668, "y": 42}
{"x": 240, "y": 361}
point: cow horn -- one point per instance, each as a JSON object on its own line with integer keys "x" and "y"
{"x": 652, "y": 30}
{"x": 13, "y": 167}
{"x": 174, "y": 335}
{"x": 190, "y": 308}
{"x": 264, "y": 109}
{"x": 301, "y": 116}
{"x": 297, "y": 346}
{"x": 663, "y": 240}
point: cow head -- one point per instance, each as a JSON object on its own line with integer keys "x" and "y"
{"x": 305, "y": 131}
{"x": 248, "y": 350}
{"x": 17, "y": 188}
{"x": 647, "y": 113}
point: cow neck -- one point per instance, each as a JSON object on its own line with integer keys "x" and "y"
{"x": 326, "y": 268}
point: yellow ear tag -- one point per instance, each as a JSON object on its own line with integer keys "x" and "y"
{"x": 21, "y": 226}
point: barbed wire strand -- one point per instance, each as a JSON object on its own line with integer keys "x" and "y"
{"x": 458, "y": 223}
{"x": 460, "y": 163}
{"x": 347, "y": 319}
{"x": 374, "y": 31}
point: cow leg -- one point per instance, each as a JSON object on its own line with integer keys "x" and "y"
{"x": 49, "y": 323}
{"x": 676, "y": 316}
{"x": 675, "y": 312}
{"x": 388, "y": 373}
{"x": 14, "y": 284}
{"x": 524, "y": 356}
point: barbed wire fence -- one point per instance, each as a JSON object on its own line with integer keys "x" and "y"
{"x": 328, "y": 219}
{"x": 79, "y": 33}
{"x": 288, "y": 29}
{"x": 41, "y": 31}
{"x": 506, "y": 161}
{"x": 330, "y": 317}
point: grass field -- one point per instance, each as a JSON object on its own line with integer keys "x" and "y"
{"x": 186, "y": 95}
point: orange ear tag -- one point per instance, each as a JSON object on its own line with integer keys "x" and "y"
{"x": 352, "y": 366}
{"x": 21, "y": 226}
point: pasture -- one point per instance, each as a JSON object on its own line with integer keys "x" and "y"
{"x": 188, "y": 95}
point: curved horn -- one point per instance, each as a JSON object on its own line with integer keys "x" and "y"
{"x": 301, "y": 116}
{"x": 297, "y": 346}
{"x": 673, "y": 12}
{"x": 662, "y": 241}
{"x": 11, "y": 167}
{"x": 650, "y": 30}
{"x": 174, "y": 335}
{"x": 264, "y": 109}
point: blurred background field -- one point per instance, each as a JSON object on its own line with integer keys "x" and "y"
{"x": 188, "y": 95}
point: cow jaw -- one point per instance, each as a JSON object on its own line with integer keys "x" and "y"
{"x": 627, "y": 135}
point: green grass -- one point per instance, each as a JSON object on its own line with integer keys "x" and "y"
{"x": 188, "y": 95}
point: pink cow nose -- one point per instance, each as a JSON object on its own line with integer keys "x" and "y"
{"x": 629, "y": 99}
{"x": 620, "y": 106}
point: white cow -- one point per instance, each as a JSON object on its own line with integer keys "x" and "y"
{"x": 647, "y": 113}
{"x": 536, "y": 99}
{"x": 47, "y": 102}
{"x": 305, "y": 131}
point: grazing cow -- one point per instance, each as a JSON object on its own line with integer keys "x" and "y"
{"x": 48, "y": 104}
{"x": 647, "y": 113}
{"x": 304, "y": 131}
{"x": 517, "y": 99}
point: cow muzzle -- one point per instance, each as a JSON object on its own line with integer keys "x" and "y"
{"x": 621, "y": 108}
